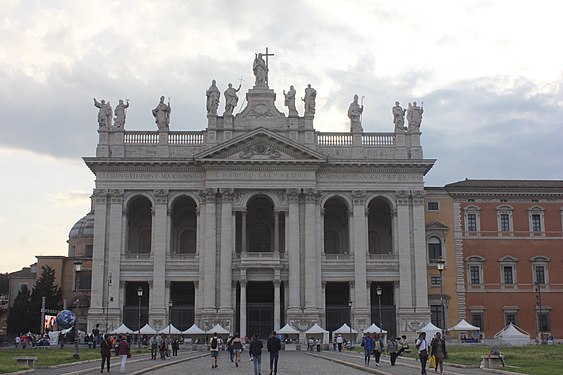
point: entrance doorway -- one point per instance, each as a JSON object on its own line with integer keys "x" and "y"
{"x": 259, "y": 308}
{"x": 337, "y": 305}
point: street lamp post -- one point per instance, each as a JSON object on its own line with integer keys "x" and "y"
{"x": 538, "y": 297}
{"x": 77, "y": 269}
{"x": 379, "y": 291}
{"x": 441, "y": 264}
{"x": 110, "y": 299}
{"x": 170, "y": 304}
{"x": 350, "y": 306}
{"x": 139, "y": 294}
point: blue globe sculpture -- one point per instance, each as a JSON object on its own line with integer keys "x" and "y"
{"x": 66, "y": 319}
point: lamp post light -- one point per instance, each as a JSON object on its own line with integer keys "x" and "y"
{"x": 139, "y": 294}
{"x": 441, "y": 264}
{"x": 538, "y": 299}
{"x": 351, "y": 342}
{"x": 110, "y": 299}
{"x": 379, "y": 291}
{"x": 77, "y": 269}
{"x": 170, "y": 304}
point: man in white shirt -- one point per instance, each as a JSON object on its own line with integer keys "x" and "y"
{"x": 422, "y": 347}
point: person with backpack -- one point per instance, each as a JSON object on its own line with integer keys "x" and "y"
{"x": 214, "y": 347}
{"x": 368, "y": 344}
{"x": 378, "y": 348}
{"x": 237, "y": 348}
{"x": 105, "y": 351}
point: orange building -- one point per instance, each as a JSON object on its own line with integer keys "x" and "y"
{"x": 509, "y": 234}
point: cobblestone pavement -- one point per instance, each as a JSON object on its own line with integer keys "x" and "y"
{"x": 290, "y": 363}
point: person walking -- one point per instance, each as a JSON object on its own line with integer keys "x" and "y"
{"x": 154, "y": 346}
{"x": 123, "y": 351}
{"x": 438, "y": 350}
{"x": 274, "y": 347}
{"x": 378, "y": 348}
{"x": 403, "y": 345}
{"x": 256, "y": 353}
{"x": 392, "y": 349}
{"x": 237, "y": 348}
{"x": 214, "y": 346}
{"x": 422, "y": 346}
{"x": 339, "y": 342}
{"x": 105, "y": 351}
{"x": 368, "y": 345}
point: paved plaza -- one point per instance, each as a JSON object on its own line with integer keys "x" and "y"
{"x": 290, "y": 363}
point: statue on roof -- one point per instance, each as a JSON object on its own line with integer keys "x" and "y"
{"x": 310, "y": 100}
{"x": 399, "y": 117}
{"x": 231, "y": 99}
{"x": 414, "y": 117}
{"x": 355, "y": 115}
{"x": 162, "y": 114}
{"x": 290, "y": 100}
{"x": 104, "y": 114}
{"x": 120, "y": 113}
{"x": 213, "y": 96}
{"x": 260, "y": 70}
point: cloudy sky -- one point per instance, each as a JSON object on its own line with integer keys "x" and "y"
{"x": 489, "y": 74}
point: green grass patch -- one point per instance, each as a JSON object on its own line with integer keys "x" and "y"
{"x": 46, "y": 357}
{"x": 531, "y": 359}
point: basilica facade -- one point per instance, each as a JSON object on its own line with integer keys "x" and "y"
{"x": 259, "y": 220}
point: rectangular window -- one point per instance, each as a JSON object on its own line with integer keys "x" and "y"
{"x": 508, "y": 275}
{"x": 543, "y": 320}
{"x": 477, "y": 320}
{"x": 433, "y": 206}
{"x": 84, "y": 280}
{"x": 435, "y": 280}
{"x": 540, "y": 275}
{"x": 536, "y": 223}
{"x": 471, "y": 222}
{"x": 504, "y": 222}
{"x": 436, "y": 315}
{"x": 89, "y": 251}
{"x": 474, "y": 277}
{"x": 510, "y": 318}
{"x": 23, "y": 287}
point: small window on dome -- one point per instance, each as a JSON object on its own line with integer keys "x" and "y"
{"x": 89, "y": 251}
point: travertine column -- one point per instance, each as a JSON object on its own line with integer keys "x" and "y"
{"x": 226, "y": 251}
{"x": 210, "y": 270}
{"x": 406, "y": 254}
{"x": 293, "y": 251}
{"x": 99, "y": 274}
{"x": 360, "y": 250}
{"x": 114, "y": 238}
{"x": 419, "y": 241}
{"x": 277, "y": 305}
{"x": 276, "y": 231}
{"x": 243, "y": 248}
{"x": 242, "y": 308}
{"x": 158, "y": 305}
{"x": 311, "y": 303}
{"x": 200, "y": 214}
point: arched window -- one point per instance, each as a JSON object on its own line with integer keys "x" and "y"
{"x": 434, "y": 249}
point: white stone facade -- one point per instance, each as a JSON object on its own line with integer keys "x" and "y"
{"x": 257, "y": 221}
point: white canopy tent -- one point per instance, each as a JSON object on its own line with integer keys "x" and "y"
{"x": 217, "y": 329}
{"x": 146, "y": 330}
{"x": 170, "y": 329}
{"x": 374, "y": 329}
{"x": 347, "y": 332}
{"x": 194, "y": 330}
{"x": 288, "y": 332}
{"x": 122, "y": 329}
{"x": 463, "y": 326}
{"x": 430, "y": 330}
{"x": 317, "y": 331}
{"x": 513, "y": 335}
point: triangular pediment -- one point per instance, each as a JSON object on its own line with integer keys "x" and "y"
{"x": 436, "y": 226}
{"x": 260, "y": 145}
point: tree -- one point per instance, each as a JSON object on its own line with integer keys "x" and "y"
{"x": 4, "y": 284}
{"x": 18, "y": 317}
{"x": 44, "y": 287}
